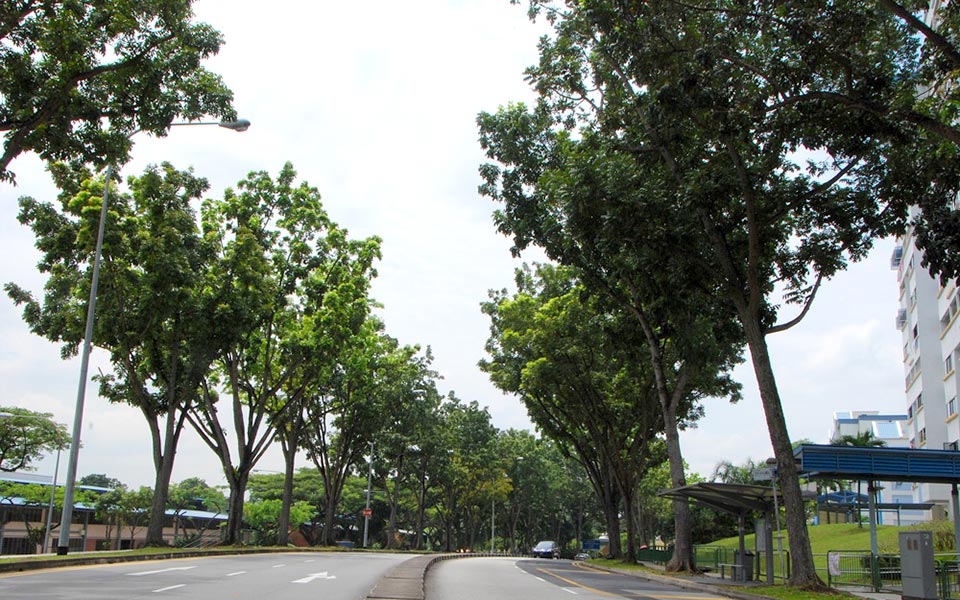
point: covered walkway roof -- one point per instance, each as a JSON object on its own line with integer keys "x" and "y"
{"x": 878, "y": 464}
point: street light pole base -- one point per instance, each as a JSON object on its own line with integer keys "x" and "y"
{"x": 62, "y": 550}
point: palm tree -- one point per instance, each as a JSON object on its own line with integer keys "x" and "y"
{"x": 864, "y": 439}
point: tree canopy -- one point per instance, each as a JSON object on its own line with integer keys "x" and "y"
{"x": 25, "y": 436}
{"x": 78, "y": 78}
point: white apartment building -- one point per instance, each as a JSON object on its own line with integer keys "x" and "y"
{"x": 927, "y": 319}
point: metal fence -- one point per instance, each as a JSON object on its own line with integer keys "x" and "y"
{"x": 711, "y": 557}
{"x": 859, "y": 569}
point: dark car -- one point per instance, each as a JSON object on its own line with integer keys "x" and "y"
{"x": 546, "y": 549}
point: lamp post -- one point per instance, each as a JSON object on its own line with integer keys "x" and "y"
{"x": 53, "y": 483}
{"x": 63, "y": 543}
{"x": 366, "y": 511}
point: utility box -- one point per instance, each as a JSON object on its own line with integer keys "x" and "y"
{"x": 917, "y": 571}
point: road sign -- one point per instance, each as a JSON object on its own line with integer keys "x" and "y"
{"x": 368, "y": 512}
{"x": 765, "y": 474}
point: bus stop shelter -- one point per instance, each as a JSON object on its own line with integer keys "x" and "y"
{"x": 739, "y": 500}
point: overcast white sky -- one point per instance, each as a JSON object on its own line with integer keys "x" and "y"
{"x": 374, "y": 103}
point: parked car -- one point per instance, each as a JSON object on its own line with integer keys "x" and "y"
{"x": 546, "y": 549}
{"x": 582, "y": 556}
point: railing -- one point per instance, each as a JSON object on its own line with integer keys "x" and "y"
{"x": 711, "y": 557}
{"x": 655, "y": 556}
{"x": 852, "y": 568}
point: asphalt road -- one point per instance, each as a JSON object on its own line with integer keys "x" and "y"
{"x": 294, "y": 576}
{"x": 532, "y": 579}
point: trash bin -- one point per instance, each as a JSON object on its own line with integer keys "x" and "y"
{"x": 747, "y": 562}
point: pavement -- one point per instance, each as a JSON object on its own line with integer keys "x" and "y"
{"x": 406, "y": 580}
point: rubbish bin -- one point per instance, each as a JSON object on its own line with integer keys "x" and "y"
{"x": 747, "y": 562}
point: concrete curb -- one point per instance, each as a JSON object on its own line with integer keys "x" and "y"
{"x": 406, "y": 580}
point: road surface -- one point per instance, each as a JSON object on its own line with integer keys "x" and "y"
{"x": 540, "y": 579}
{"x": 293, "y": 576}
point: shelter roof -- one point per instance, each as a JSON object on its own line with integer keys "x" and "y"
{"x": 734, "y": 498}
{"x": 878, "y": 464}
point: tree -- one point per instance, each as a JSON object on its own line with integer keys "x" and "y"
{"x": 575, "y": 367}
{"x": 345, "y": 406}
{"x": 263, "y": 515}
{"x": 710, "y": 116}
{"x": 172, "y": 299}
{"x": 38, "y": 496}
{"x": 309, "y": 258}
{"x": 25, "y": 436}
{"x": 78, "y": 78}
{"x": 100, "y": 480}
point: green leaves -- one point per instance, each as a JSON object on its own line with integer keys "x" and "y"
{"x": 77, "y": 78}
{"x": 25, "y": 436}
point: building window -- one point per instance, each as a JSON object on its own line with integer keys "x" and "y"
{"x": 910, "y": 412}
{"x": 948, "y": 364}
{"x": 922, "y": 436}
{"x": 952, "y": 406}
{"x": 919, "y": 402}
{"x": 888, "y": 430}
{"x": 951, "y": 445}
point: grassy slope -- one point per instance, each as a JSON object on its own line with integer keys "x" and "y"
{"x": 824, "y": 538}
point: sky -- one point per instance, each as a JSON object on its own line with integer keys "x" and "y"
{"x": 375, "y": 103}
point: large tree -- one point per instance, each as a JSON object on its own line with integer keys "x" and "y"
{"x": 25, "y": 436}
{"x": 315, "y": 288}
{"x": 576, "y": 368}
{"x": 690, "y": 339}
{"x": 77, "y": 78}
{"x": 717, "y": 115}
{"x": 172, "y": 299}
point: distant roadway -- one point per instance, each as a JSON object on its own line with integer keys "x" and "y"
{"x": 541, "y": 579}
{"x": 294, "y": 576}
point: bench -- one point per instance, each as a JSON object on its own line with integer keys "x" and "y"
{"x": 734, "y": 568}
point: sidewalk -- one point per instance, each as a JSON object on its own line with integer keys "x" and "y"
{"x": 712, "y": 583}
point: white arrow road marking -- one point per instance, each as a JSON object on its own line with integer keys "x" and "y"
{"x": 166, "y": 589}
{"x": 161, "y": 571}
{"x": 310, "y": 578}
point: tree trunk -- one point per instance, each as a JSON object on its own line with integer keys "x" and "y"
{"x": 421, "y": 509}
{"x": 238, "y": 487}
{"x": 803, "y": 571}
{"x": 682, "y": 559}
{"x": 163, "y": 462}
{"x": 283, "y": 521}
{"x": 611, "y": 512}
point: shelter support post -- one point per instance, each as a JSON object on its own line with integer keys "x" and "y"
{"x": 742, "y": 556}
{"x": 872, "y": 512}
{"x": 956, "y": 516}
{"x": 768, "y": 545}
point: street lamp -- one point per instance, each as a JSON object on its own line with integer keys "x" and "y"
{"x": 366, "y": 511}
{"x": 56, "y": 471}
{"x": 63, "y": 543}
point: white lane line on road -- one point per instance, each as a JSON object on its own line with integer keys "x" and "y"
{"x": 313, "y": 576}
{"x": 167, "y": 589}
{"x": 141, "y": 573}
{"x": 280, "y": 565}
{"x": 540, "y": 579}
{"x": 310, "y": 560}
{"x": 569, "y": 591}
{"x": 235, "y": 573}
